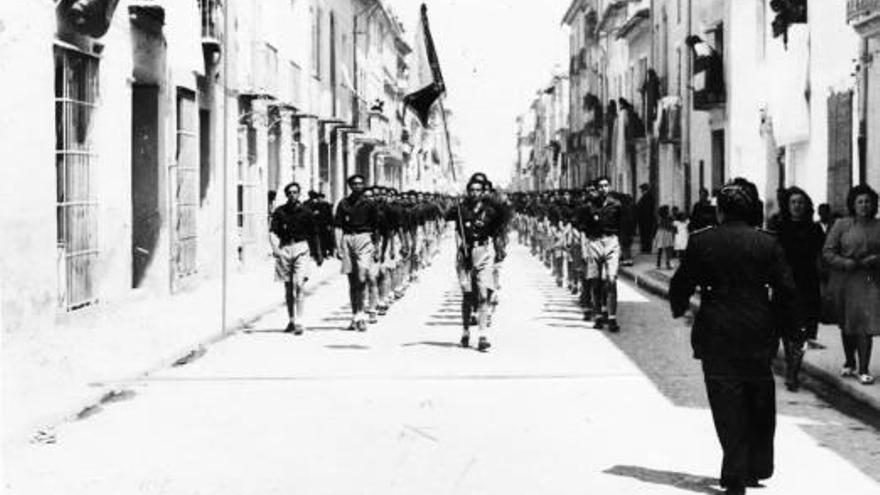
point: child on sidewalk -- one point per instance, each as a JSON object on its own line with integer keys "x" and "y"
{"x": 664, "y": 238}
{"x": 680, "y": 224}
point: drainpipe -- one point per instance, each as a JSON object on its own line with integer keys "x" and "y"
{"x": 686, "y": 96}
{"x": 864, "y": 60}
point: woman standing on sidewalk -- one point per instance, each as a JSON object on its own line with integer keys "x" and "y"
{"x": 852, "y": 250}
{"x": 802, "y": 241}
{"x": 664, "y": 237}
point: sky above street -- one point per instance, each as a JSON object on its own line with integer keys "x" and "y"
{"x": 495, "y": 55}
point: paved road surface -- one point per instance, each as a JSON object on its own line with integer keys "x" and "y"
{"x": 555, "y": 408}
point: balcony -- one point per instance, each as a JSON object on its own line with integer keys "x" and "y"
{"x": 864, "y": 15}
{"x": 211, "y": 12}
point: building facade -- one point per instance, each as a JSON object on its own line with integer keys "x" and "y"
{"x": 130, "y": 100}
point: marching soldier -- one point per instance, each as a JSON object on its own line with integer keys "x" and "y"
{"x": 477, "y": 224}
{"x": 356, "y": 222}
{"x": 734, "y": 333}
{"x": 604, "y": 252}
{"x": 294, "y": 238}
{"x": 323, "y": 215}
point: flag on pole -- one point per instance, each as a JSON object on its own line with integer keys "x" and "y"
{"x": 427, "y": 83}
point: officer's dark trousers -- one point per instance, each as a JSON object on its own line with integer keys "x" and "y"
{"x": 742, "y": 396}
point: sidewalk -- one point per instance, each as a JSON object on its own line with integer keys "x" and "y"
{"x": 56, "y": 374}
{"x": 822, "y": 365}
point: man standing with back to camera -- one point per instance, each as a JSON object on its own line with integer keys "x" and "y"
{"x": 734, "y": 333}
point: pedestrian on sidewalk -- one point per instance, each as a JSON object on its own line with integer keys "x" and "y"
{"x": 356, "y": 224}
{"x": 647, "y": 218}
{"x": 294, "y": 238}
{"x": 734, "y": 332}
{"x": 852, "y": 250}
{"x": 682, "y": 232}
{"x": 703, "y": 214}
{"x": 664, "y": 238}
{"x": 801, "y": 239}
{"x": 477, "y": 222}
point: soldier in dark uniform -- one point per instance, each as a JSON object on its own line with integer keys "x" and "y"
{"x": 603, "y": 260}
{"x": 323, "y": 215}
{"x": 294, "y": 237}
{"x": 736, "y": 266}
{"x": 477, "y": 223}
{"x": 356, "y": 223}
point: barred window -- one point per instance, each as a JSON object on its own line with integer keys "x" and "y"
{"x": 76, "y": 96}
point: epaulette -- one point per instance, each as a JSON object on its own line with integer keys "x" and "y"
{"x": 703, "y": 230}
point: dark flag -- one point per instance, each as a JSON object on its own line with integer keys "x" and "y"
{"x": 427, "y": 83}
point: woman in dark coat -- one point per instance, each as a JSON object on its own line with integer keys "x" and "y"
{"x": 852, "y": 250}
{"x": 801, "y": 239}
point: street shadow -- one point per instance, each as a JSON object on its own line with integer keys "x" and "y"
{"x": 683, "y": 481}
{"x": 443, "y": 324}
{"x": 348, "y": 347}
{"x": 431, "y": 344}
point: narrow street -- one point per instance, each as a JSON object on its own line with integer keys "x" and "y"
{"x": 555, "y": 407}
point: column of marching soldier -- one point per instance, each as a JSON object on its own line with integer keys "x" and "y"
{"x": 383, "y": 238}
{"x": 576, "y": 235}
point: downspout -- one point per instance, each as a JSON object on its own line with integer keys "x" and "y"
{"x": 864, "y": 60}
{"x": 687, "y": 105}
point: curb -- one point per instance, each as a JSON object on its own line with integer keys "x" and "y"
{"x": 821, "y": 376}
{"x": 116, "y": 390}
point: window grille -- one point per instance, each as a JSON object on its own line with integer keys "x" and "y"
{"x": 185, "y": 187}
{"x": 76, "y": 97}
{"x": 248, "y": 206}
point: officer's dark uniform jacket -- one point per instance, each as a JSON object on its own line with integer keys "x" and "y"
{"x": 737, "y": 267}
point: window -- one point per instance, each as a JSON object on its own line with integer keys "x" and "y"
{"x": 76, "y": 95}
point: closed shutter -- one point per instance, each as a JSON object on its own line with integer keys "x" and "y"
{"x": 840, "y": 126}
{"x": 185, "y": 188}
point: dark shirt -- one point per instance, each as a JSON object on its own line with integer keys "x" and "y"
{"x": 356, "y": 216}
{"x": 734, "y": 264}
{"x": 293, "y": 222}
{"x": 479, "y": 221}
{"x": 802, "y": 243}
{"x": 610, "y": 216}
{"x": 586, "y": 219}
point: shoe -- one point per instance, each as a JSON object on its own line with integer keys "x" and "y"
{"x": 352, "y": 326}
{"x": 483, "y": 345}
{"x": 613, "y": 326}
{"x": 848, "y": 372}
{"x": 291, "y": 328}
{"x": 791, "y": 387}
{"x": 465, "y": 340}
{"x": 362, "y": 326}
{"x": 866, "y": 379}
{"x": 298, "y": 329}
{"x": 600, "y": 321}
{"x": 588, "y": 315}
{"x": 372, "y": 318}
{"x": 735, "y": 490}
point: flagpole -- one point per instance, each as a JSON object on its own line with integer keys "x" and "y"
{"x": 448, "y": 141}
